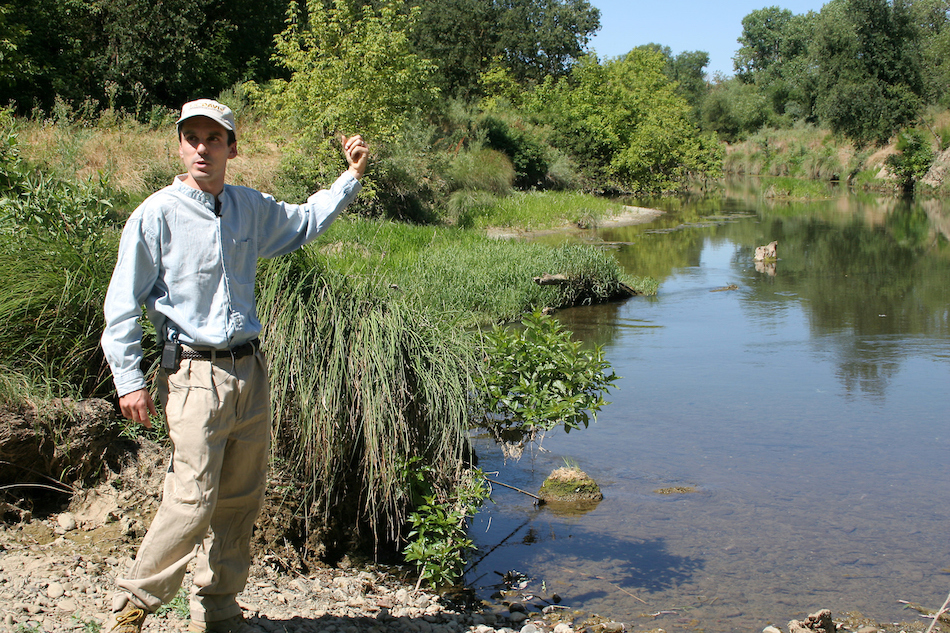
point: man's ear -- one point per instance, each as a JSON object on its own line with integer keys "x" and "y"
{"x": 233, "y": 151}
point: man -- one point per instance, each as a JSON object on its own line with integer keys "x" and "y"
{"x": 189, "y": 254}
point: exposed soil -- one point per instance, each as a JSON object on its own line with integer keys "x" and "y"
{"x": 629, "y": 216}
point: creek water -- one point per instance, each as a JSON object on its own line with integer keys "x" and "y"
{"x": 807, "y": 408}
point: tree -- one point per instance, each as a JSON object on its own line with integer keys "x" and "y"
{"x": 624, "y": 122}
{"x": 686, "y": 69}
{"x": 932, "y": 18}
{"x": 11, "y": 36}
{"x": 734, "y": 108}
{"x": 137, "y": 53}
{"x": 533, "y": 38}
{"x": 774, "y": 57}
{"x": 869, "y": 80}
{"x": 352, "y": 68}
{"x": 541, "y": 38}
{"x": 763, "y": 42}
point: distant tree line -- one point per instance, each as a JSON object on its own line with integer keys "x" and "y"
{"x": 446, "y": 89}
{"x": 512, "y": 76}
{"x": 863, "y": 68}
{"x": 135, "y": 54}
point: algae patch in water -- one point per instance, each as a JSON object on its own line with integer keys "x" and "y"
{"x": 676, "y": 490}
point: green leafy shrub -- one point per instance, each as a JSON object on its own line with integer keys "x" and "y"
{"x": 438, "y": 540}
{"x": 913, "y": 159}
{"x": 57, "y": 249}
{"x": 522, "y": 144}
{"x": 537, "y": 378}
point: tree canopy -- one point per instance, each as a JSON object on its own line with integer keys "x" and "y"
{"x": 624, "y": 120}
{"x": 533, "y": 38}
{"x": 864, "y": 68}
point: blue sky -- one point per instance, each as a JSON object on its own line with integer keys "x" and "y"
{"x": 683, "y": 25}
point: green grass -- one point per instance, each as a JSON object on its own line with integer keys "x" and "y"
{"x": 794, "y": 188}
{"x": 479, "y": 279}
{"x": 542, "y": 210}
{"x": 360, "y": 384}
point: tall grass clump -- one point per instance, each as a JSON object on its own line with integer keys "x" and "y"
{"x": 57, "y": 249}
{"x": 361, "y": 385}
{"x": 487, "y": 281}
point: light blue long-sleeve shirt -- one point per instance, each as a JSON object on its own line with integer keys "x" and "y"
{"x": 194, "y": 271}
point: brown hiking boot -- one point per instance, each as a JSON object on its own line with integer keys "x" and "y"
{"x": 237, "y": 624}
{"x": 129, "y": 620}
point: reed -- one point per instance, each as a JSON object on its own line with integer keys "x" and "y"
{"x": 361, "y": 384}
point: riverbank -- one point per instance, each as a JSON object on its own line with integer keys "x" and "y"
{"x": 57, "y": 573}
{"x": 628, "y": 216}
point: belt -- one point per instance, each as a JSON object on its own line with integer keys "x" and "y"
{"x": 240, "y": 351}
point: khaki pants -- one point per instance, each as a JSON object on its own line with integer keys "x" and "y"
{"x": 219, "y": 422}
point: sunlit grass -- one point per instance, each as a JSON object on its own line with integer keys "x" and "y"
{"x": 360, "y": 384}
{"x": 543, "y": 210}
{"x": 482, "y": 280}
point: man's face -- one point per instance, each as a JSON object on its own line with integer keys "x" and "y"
{"x": 204, "y": 149}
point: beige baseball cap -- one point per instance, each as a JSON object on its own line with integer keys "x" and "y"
{"x": 210, "y": 108}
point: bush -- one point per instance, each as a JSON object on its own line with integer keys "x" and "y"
{"x": 522, "y": 145}
{"x": 438, "y": 540}
{"x": 537, "y": 379}
{"x": 913, "y": 159}
{"x": 57, "y": 245}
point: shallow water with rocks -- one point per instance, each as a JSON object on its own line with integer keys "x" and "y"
{"x": 800, "y": 407}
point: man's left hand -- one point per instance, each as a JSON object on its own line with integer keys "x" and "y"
{"x": 357, "y": 154}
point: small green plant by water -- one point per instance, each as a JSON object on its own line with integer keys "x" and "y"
{"x": 539, "y": 378}
{"x": 438, "y": 541}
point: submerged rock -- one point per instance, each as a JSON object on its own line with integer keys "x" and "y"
{"x": 570, "y": 485}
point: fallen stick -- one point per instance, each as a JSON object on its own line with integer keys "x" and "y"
{"x": 524, "y": 492}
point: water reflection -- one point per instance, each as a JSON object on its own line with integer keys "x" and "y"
{"x": 866, "y": 267}
{"x": 808, "y": 405}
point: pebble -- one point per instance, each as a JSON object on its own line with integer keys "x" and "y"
{"x": 62, "y": 588}
{"x": 67, "y": 521}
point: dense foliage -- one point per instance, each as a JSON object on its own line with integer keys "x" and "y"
{"x": 430, "y": 83}
{"x": 53, "y": 233}
{"x": 863, "y": 68}
{"x": 624, "y": 122}
{"x": 539, "y": 379}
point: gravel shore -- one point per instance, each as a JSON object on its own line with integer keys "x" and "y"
{"x": 57, "y": 573}
{"x": 57, "y": 579}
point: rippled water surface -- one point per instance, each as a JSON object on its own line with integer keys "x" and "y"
{"x": 809, "y": 408}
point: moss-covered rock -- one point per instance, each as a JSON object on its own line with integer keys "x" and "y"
{"x": 569, "y": 485}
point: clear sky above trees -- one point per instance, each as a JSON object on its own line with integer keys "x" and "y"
{"x": 683, "y": 25}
